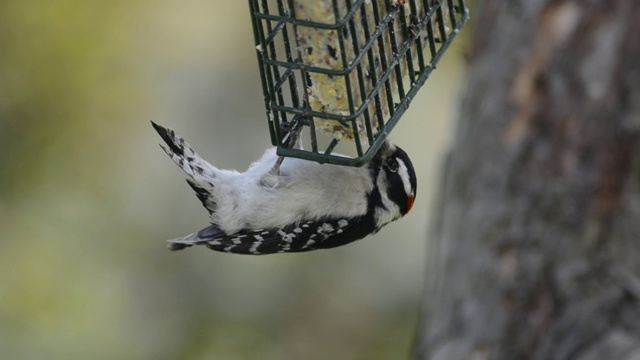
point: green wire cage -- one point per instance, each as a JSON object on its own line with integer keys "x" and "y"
{"x": 346, "y": 69}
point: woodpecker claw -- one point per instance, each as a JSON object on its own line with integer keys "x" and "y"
{"x": 293, "y": 130}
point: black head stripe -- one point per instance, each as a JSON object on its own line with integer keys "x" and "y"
{"x": 402, "y": 155}
{"x": 386, "y": 160}
{"x": 396, "y": 192}
{"x": 396, "y": 185}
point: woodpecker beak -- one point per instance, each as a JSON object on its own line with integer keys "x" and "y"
{"x": 410, "y": 200}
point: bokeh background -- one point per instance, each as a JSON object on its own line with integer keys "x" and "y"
{"x": 87, "y": 198}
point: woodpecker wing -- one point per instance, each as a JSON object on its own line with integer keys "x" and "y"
{"x": 307, "y": 236}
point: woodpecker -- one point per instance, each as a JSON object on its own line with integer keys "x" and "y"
{"x": 301, "y": 206}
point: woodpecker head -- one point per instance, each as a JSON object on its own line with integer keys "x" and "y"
{"x": 395, "y": 184}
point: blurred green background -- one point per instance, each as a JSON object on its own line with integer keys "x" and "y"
{"x": 87, "y": 198}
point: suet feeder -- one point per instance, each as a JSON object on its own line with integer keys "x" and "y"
{"x": 346, "y": 69}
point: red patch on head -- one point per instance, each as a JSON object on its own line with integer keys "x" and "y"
{"x": 410, "y": 200}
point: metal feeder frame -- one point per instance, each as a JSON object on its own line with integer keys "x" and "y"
{"x": 274, "y": 32}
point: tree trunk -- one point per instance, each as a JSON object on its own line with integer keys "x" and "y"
{"x": 535, "y": 253}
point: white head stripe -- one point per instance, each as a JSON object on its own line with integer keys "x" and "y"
{"x": 404, "y": 175}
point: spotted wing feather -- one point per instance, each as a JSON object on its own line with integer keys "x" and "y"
{"x": 307, "y": 236}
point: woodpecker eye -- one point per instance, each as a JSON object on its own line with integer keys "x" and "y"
{"x": 392, "y": 165}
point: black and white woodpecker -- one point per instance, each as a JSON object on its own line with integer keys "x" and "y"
{"x": 304, "y": 206}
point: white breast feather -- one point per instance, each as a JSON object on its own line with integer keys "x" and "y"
{"x": 304, "y": 190}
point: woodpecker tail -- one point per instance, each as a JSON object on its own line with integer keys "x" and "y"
{"x": 184, "y": 156}
{"x": 201, "y": 173}
{"x": 201, "y": 237}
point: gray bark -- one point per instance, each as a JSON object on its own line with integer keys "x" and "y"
{"x": 535, "y": 252}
